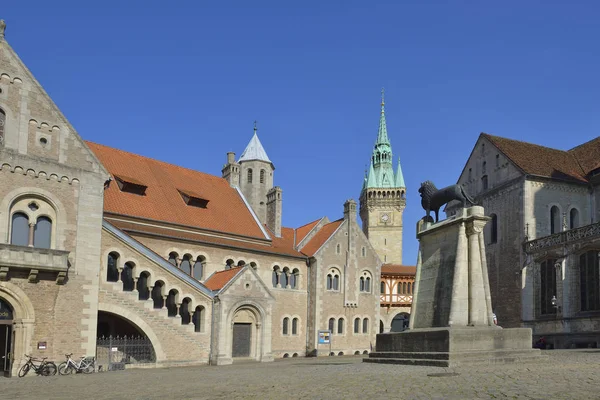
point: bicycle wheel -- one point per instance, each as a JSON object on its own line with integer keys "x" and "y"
{"x": 49, "y": 369}
{"x": 65, "y": 369}
{"x": 91, "y": 367}
{"x": 24, "y": 370}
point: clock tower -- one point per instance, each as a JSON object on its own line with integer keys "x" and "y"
{"x": 383, "y": 198}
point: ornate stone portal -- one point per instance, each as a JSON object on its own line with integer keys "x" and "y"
{"x": 451, "y": 317}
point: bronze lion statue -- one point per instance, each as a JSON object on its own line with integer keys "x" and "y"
{"x": 434, "y": 199}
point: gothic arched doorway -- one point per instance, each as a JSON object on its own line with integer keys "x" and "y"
{"x": 6, "y": 332}
{"x": 400, "y": 322}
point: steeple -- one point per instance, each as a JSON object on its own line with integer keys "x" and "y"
{"x": 399, "y": 176}
{"x": 254, "y": 150}
{"x": 382, "y": 137}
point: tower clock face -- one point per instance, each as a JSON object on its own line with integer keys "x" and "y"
{"x": 385, "y": 217}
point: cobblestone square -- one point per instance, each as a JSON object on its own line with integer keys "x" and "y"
{"x": 565, "y": 374}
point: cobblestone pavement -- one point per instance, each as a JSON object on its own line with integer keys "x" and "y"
{"x": 564, "y": 374}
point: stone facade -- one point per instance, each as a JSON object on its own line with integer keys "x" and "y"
{"x": 75, "y": 266}
{"x": 528, "y": 204}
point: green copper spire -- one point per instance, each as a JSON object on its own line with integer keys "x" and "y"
{"x": 399, "y": 176}
{"x": 382, "y": 137}
{"x": 371, "y": 178}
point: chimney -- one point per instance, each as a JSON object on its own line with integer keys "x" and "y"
{"x": 274, "y": 210}
{"x": 350, "y": 210}
{"x": 231, "y": 170}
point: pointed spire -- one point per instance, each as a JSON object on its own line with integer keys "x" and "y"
{"x": 371, "y": 178}
{"x": 382, "y": 137}
{"x": 399, "y": 176}
{"x": 255, "y": 149}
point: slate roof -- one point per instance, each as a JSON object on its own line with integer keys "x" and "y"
{"x": 219, "y": 279}
{"x": 397, "y": 269}
{"x": 254, "y": 151}
{"x": 162, "y": 201}
{"x": 533, "y": 159}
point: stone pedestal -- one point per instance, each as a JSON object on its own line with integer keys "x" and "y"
{"x": 451, "y": 317}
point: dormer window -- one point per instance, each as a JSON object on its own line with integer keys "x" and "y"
{"x": 193, "y": 199}
{"x": 131, "y": 185}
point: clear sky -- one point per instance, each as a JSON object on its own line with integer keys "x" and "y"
{"x": 183, "y": 81}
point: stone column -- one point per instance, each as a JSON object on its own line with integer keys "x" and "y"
{"x": 460, "y": 284}
{"x": 135, "y": 284}
{"x": 164, "y": 302}
{"x": 178, "y": 305}
{"x": 477, "y": 303}
{"x": 150, "y": 298}
{"x": 486, "y": 281}
{"x": 31, "y": 234}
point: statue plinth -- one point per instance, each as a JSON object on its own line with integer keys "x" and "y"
{"x": 451, "y": 317}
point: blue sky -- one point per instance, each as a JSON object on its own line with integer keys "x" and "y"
{"x": 184, "y": 82}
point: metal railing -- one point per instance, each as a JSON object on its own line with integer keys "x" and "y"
{"x": 113, "y": 353}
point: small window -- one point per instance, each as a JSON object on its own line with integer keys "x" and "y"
{"x": 286, "y": 322}
{"x": 131, "y": 185}
{"x": 193, "y": 199}
{"x": 198, "y": 268}
{"x": 2, "y": 125}
{"x": 262, "y": 176}
{"x": 283, "y": 278}
{"x": 573, "y": 218}
{"x": 409, "y": 288}
{"x": 483, "y": 167}
{"x": 336, "y": 282}
{"x": 484, "y": 182}
{"x": 470, "y": 173}
{"x": 554, "y": 220}
{"x": 249, "y": 175}
{"x": 356, "y": 325}
{"x": 173, "y": 258}
{"x": 494, "y": 229}
{"x": 295, "y": 326}
{"x": 364, "y": 251}
{"x": 340, "y": 326}
{"x": 361, "y": 284}
{"x": 368, "y": 284}
{"x": 331, "y": 324}
{"x": 112, "y": 271}
{"x": 275, "y": 276}
{"x": 338, "y": 248}
{"x": 382, "y": 287}
{"x": 365, "y": 325}
{"x": 497, "y": 160}
{"x": 20, "y": 229}
{"x": 329, "y": 282}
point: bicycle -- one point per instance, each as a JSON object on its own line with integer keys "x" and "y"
{"x": 45, "y": 368}
{"x": 86, "y": 365}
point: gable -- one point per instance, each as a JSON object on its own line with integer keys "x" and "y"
{"x": 245, "y": 283}
{"x": 34, "y": 125}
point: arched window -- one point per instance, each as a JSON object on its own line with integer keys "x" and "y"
{"x": 340, "y": 326}
{"x": 399, "y": 288}
{"x": 42, "y": 233}
{"x": 382, "y": 287}
{"x": 295, "y": 326}
{"x": 368, "y": 284}
{"x": 554, "y": 220}
{"x": 409, "y": 288}
{"x": 20, "y": 229}
{"x": 283, "y": 278}
{"x": 199, "y": 267}
{"x": 484, "y": 182}
{"x": 127, "y": 277}
{"x": 262, "y": 176}
{"x": 573, "y": 218}
{"x": 294, "y": 279}
{"x": 403, "y": 287}
{"x": 356, "y": 325}
{"x": 547, "y": 286}
{"x": 589, "y": 281}
{"x": 365, "y": 325}
{"x": 329, "y": 282}
{"x": 112, "y": 271}
{"x": 249, "y": 175}
{"x": 186, "y": 265}
{"x": 331, "y": 324}
{"x": 2, "y": 125}
{"x": 173, "y": 258}
{"x": 336, "y": 282}
{"x": 275, "y": 276}
{"x": 362, "y": 284}
{"x": 229, "y": 264}
{"x": 494, "y": 229}
{"x": 338, "y": 248}
{"x": 483, "y": 167}
{"x": 198, "y": 319}
{"x": 286, "y": 322}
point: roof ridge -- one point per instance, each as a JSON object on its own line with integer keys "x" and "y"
{"x": 311, "y": 222}
{"x": 522, "y": 141}
{"x": 583, "y": 144}
{"x": 153, "y": 159}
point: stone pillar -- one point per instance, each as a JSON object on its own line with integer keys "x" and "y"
{"x": 460, "y": 285}
{"x": 150, "y": 288}
{"x": 164, "y": 302}
{"x": 486, "y": 281}
{"x": 31, "y": 234}
{"x": 135, "y": 285}
{"x": 178, "y": 305}
{"x": 477, "y": 304}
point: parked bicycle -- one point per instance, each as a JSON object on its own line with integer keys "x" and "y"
{"x": 86, "y": 365}
{"x": 44, "y": 368}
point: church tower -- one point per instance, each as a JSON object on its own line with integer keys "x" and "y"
{"x": 382, "y": 199}
{"x": 253, "y": 175}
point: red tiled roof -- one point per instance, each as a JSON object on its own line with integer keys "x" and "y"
{"x": 219, "y": 279}
{"x": 539, "y": 160}
{"x": 321, "y": 237}
{"x": 283, "y": 245}
{"x": 305, "y": 230}
{"x": 588, "y": 155}
{"x": 397, "y": 269}
{"x": 226, "y": 210}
